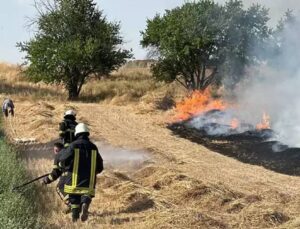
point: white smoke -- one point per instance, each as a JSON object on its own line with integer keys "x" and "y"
{"x": 115, "y": 157}
{"x": 277, "y": 8}
{"x": 276, "y": 91}
{"x": 272, "y": 88}
{"x": 216, "y": 123}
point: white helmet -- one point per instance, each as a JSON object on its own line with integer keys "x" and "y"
{"x": 81, "y": 128}
{"x": 70, "y": 112}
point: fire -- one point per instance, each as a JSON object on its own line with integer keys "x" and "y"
{"x": 234, "y": 123}
{"x": 265, "y": 122}
{"x": 198, "y": 103}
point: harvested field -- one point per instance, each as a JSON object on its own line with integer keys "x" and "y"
{"x": 167, "y": 181}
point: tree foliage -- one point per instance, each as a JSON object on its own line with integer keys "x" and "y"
{"x": 246, "y": 40}
{"x": 201, "y": 41}
{"x": 73, "y": 41}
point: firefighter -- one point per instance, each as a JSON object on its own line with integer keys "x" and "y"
{"x": 82, "y": 162}
{"x": 67, "y": 127}
{"x": 58, "y": 173}
{"x": 8, "y": 107}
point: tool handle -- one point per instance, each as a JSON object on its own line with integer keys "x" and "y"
{"x": 29, "y": 182}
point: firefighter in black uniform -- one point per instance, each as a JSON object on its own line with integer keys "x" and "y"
{"x": 67, "y": 127}
{"x": 8, "y": 107}
{"x": 57, "y": 173}
{"x": 81, "y": 162}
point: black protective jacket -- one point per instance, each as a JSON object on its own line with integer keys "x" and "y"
{"x": 81, "y": 162}
{"x": 8, "y": 103}
{"x": 56, "y": 170}
{"x": 67, "y": 130}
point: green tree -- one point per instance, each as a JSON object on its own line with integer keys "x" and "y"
{"x": 201, "y": 41}
{"x": 289, "y": 19}
{"x": 73, "y": 41}
{"x": 246, "y": 40}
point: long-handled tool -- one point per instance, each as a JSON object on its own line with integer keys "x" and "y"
{"x": 63, "y": 199}
{"x": 29, "y": 182}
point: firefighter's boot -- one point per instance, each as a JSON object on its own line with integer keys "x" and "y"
{"x": 75, "y": 214}
{"x": 85, "y": 212}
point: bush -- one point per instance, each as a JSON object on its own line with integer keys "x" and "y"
{"x": 17, "y": 210}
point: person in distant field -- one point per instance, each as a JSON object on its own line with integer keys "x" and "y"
{"x": 67, "y": 127}
{"x": 81, "y": 162}
{"x": 56, "y": 173}
{"x": 8, "y": 107}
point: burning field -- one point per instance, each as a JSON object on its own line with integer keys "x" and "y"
{"x": 216, "y": 124}
{"x": 183, "y": 185}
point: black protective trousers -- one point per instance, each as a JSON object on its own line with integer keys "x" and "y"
{"x": 6, "y": 112}
{"x": 76, "y": 202}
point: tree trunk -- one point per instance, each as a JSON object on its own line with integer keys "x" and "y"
{"x": 203, "y": 75}
{"x": 198, "y": 74}
{"x": 81, "y": 82}
{"x": 74, "y": 85}
{"x": 73, "y": 91}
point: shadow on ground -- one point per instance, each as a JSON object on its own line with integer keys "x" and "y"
{"x": 247, "y": 149}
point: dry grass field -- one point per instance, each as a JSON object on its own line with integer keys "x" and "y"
{"x": 181, "y": 185}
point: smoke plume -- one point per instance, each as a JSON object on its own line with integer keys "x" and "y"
{"x": 274, "y": 88}
{"x": 269, "y": 92}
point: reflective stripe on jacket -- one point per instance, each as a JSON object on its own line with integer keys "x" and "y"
{"x": 82, "y": 162}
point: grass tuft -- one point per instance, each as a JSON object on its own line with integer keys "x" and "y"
{"x": 18, "y": 209}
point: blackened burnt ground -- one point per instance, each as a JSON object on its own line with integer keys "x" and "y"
{"x": 248, "y": 147}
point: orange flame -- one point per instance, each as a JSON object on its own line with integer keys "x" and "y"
{"x": 265, "y": 122}
{"x": 198, "y": 103}
{"x": 201, "y": 102}
{"x": 234, "y": 123}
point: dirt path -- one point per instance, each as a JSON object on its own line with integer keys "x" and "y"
{"x": 184, "y": 185}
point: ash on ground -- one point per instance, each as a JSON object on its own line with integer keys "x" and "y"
{"x": 257, "y": 147}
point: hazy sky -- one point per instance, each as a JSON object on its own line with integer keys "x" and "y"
{"x": 131, "y": 13}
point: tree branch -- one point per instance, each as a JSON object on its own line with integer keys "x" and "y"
{"x": 181, "y": 83}
{"x": 210, "y": 79}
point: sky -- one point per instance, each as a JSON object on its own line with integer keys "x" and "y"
{"x": 132, "y": 14}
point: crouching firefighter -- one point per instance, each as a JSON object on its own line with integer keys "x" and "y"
{"x": 56, "y": 173}
{"x": 67, "y": 128}
{"x": 81, "y": 162}
{"x": 8, "y": 107}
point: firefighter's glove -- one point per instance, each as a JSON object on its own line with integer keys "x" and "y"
{"x": 46, "y": 181}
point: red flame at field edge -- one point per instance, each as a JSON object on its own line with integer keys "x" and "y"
{"x": 201, "y": 102}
